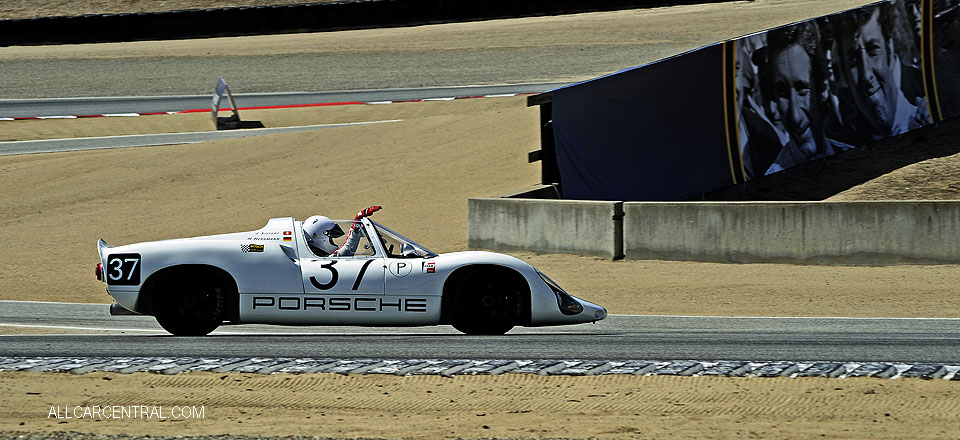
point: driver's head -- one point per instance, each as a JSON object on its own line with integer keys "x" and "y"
{"x": 320, "y": 232}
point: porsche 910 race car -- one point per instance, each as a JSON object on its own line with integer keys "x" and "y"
{"x": 272, "y": 276}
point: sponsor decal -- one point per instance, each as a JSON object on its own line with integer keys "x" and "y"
{"x": 429, "y": 267}
{"x": 265, "y": 236}
{"x": 245, "y": 248}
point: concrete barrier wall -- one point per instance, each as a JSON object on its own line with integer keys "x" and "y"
{"x": 796, "y": 232}
{"x": 884, "y": 232}
{"x": 549, "y": 226}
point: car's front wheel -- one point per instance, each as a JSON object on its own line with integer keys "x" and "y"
{"x": 486, "y": 304}
{"x": 190, "y": 304}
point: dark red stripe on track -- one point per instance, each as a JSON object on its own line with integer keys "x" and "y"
{"x": 270, "y": 107}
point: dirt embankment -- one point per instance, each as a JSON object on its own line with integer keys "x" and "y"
{"x": 13, "y": 9}
{"x": 417, "y": 170}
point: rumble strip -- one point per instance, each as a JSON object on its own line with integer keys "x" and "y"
{"x": 442, "y": 367}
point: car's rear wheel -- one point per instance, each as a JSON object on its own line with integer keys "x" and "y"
{"x": 486, "y": 304}
{"x": 190, "y": 304}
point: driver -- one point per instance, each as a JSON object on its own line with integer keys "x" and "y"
{"x": 319, "y": 232}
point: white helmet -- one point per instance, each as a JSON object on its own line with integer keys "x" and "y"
{"x": 320, "y": 232}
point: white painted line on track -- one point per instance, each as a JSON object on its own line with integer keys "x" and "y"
{"x": 784, "y": 317}
{"x": 48, "y": 302}
{"x": 627, "y": 315}
{"x": 70, "y": 327}
{"x": 216, "y": 332}
{"x": 155, "y": 331}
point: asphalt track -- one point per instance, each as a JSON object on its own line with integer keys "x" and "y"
{"x": 18, "y": 108}
{"x": 96, "y": 333}
{"x": 134, "y": 106}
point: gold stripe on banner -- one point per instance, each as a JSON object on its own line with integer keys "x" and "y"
{"x": 736, "y": 110}
{"x": 726, "y": 115}
{"x": 924, "y": 47}
{"x": 927, "y": 36}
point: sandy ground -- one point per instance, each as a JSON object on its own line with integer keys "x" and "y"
{"x": 417, "y": 169}
{"x": 418, "y": 172}
{"x": 422, "y": 170}
{"x": 932, "y": 179}
{"x": 152, "y": 193}
{"x": 509, "y": 406}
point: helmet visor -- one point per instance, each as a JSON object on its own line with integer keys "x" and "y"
{"x": 334, "y": 232}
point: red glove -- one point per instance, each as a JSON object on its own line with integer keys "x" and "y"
{"x": 367, "y": 212}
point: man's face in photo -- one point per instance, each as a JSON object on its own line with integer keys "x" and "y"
{"x": 915, "y": 12}
{"x": 869, "y": 61}
{"x": 791, "y": 68}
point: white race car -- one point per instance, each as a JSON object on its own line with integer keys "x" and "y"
{"x": 271, "y": 276}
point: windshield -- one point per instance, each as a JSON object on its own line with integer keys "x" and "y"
{"x": 398, "y": 246}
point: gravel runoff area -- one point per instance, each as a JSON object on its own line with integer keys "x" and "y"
{"x": 612, "y": 406}
{"x": 151, "y": 187}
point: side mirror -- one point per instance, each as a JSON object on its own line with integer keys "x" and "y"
{"x": 407, "y": 250}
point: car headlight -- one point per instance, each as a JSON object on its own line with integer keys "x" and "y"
{"x": 568, "y": 305}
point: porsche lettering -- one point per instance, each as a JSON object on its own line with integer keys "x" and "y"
{"x": 343, "y": 304}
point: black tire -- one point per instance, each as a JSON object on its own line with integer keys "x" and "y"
{"x": 485, "y": 303}
{"x": 189, "y": 303}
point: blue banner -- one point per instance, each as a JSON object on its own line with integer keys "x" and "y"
{"x": 734, "y": 111}
{"x": 654, "y": 132}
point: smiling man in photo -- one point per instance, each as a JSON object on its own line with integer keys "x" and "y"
{"x": 874, "y": 72}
